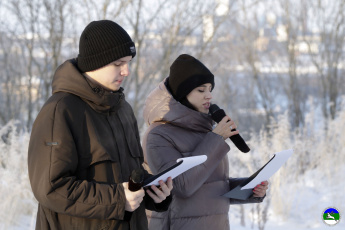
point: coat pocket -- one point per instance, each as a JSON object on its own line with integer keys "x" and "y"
{"x": 100, "y": 167}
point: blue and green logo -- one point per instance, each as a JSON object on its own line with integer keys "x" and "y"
{"x": 331, "y": 216}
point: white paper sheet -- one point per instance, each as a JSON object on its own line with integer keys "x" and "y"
{"x": 273, "y": 166}
{"x": 187, "y": 163}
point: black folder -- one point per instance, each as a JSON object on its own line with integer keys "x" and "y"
{"x": 154, "y": 177}
{"x": 243, "y": 194}
{"x": 181, "y": 165}
{"x": 270, "y": 168}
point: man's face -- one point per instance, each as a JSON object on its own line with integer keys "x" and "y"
{"x": 112, "y": 75}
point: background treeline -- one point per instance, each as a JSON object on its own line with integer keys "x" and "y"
{"x": 268, "y": 56}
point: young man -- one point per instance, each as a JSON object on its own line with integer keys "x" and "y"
{"x": 85, "y": 142}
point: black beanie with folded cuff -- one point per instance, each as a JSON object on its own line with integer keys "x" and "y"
{"x": 186, "y": 74}
{"x": 101, "y": 43}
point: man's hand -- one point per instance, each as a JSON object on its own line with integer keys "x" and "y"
{"x": 162, "y": 192}
{"x": 133, "y": 199}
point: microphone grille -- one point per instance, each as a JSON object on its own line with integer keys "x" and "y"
{"x": 217, "y": 114}
{"x": 137, "y": 175}
{"x": 213, "y": 108}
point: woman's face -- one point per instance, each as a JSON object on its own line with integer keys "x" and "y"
{"x": 200, "y": 97}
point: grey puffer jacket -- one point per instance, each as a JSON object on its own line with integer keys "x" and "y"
{"x": 176, "y": 131}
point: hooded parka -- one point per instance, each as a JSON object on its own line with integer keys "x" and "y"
{"x": 83, "y": 146}
{"x": 176, "y": 131}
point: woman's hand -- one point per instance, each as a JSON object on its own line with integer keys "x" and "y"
{"x": 162, "y": 192}
{"x": 260, "y": 189}
{"x": 224, "y": 128}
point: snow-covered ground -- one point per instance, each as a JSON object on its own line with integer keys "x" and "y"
{"x": 307, "y": 200}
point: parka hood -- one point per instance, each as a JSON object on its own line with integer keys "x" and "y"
{"x": 68, "y": 78}
{"x": 160, "y": 106}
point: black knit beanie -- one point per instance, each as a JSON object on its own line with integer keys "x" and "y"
{"x": 101, "y": 43}
{"x": 187, "y": 73}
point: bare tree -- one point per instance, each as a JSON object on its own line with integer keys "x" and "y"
{"x": 292, "y": 88}
{"x": 103, "y": 9}
{"x": 328, "y": 18}
{"x": 41, "y": 32}
{"x": 252, "y": 56}
{"x": 140, "y": 26}
{"x": 11, "y": 101}
{"x": 50, "y": 40}
{"x": 26, "y": 14}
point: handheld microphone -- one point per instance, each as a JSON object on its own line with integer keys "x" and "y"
{"x": 136, "y": 180}
{"x": 217, "y": 115}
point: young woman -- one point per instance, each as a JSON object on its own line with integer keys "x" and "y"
{"x": 179, "y": 126}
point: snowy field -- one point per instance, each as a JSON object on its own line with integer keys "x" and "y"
{"x": 307, "y": 203}
{"x": 311, "y": 180}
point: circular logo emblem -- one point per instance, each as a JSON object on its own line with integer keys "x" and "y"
{"x": 331, "y": 216}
